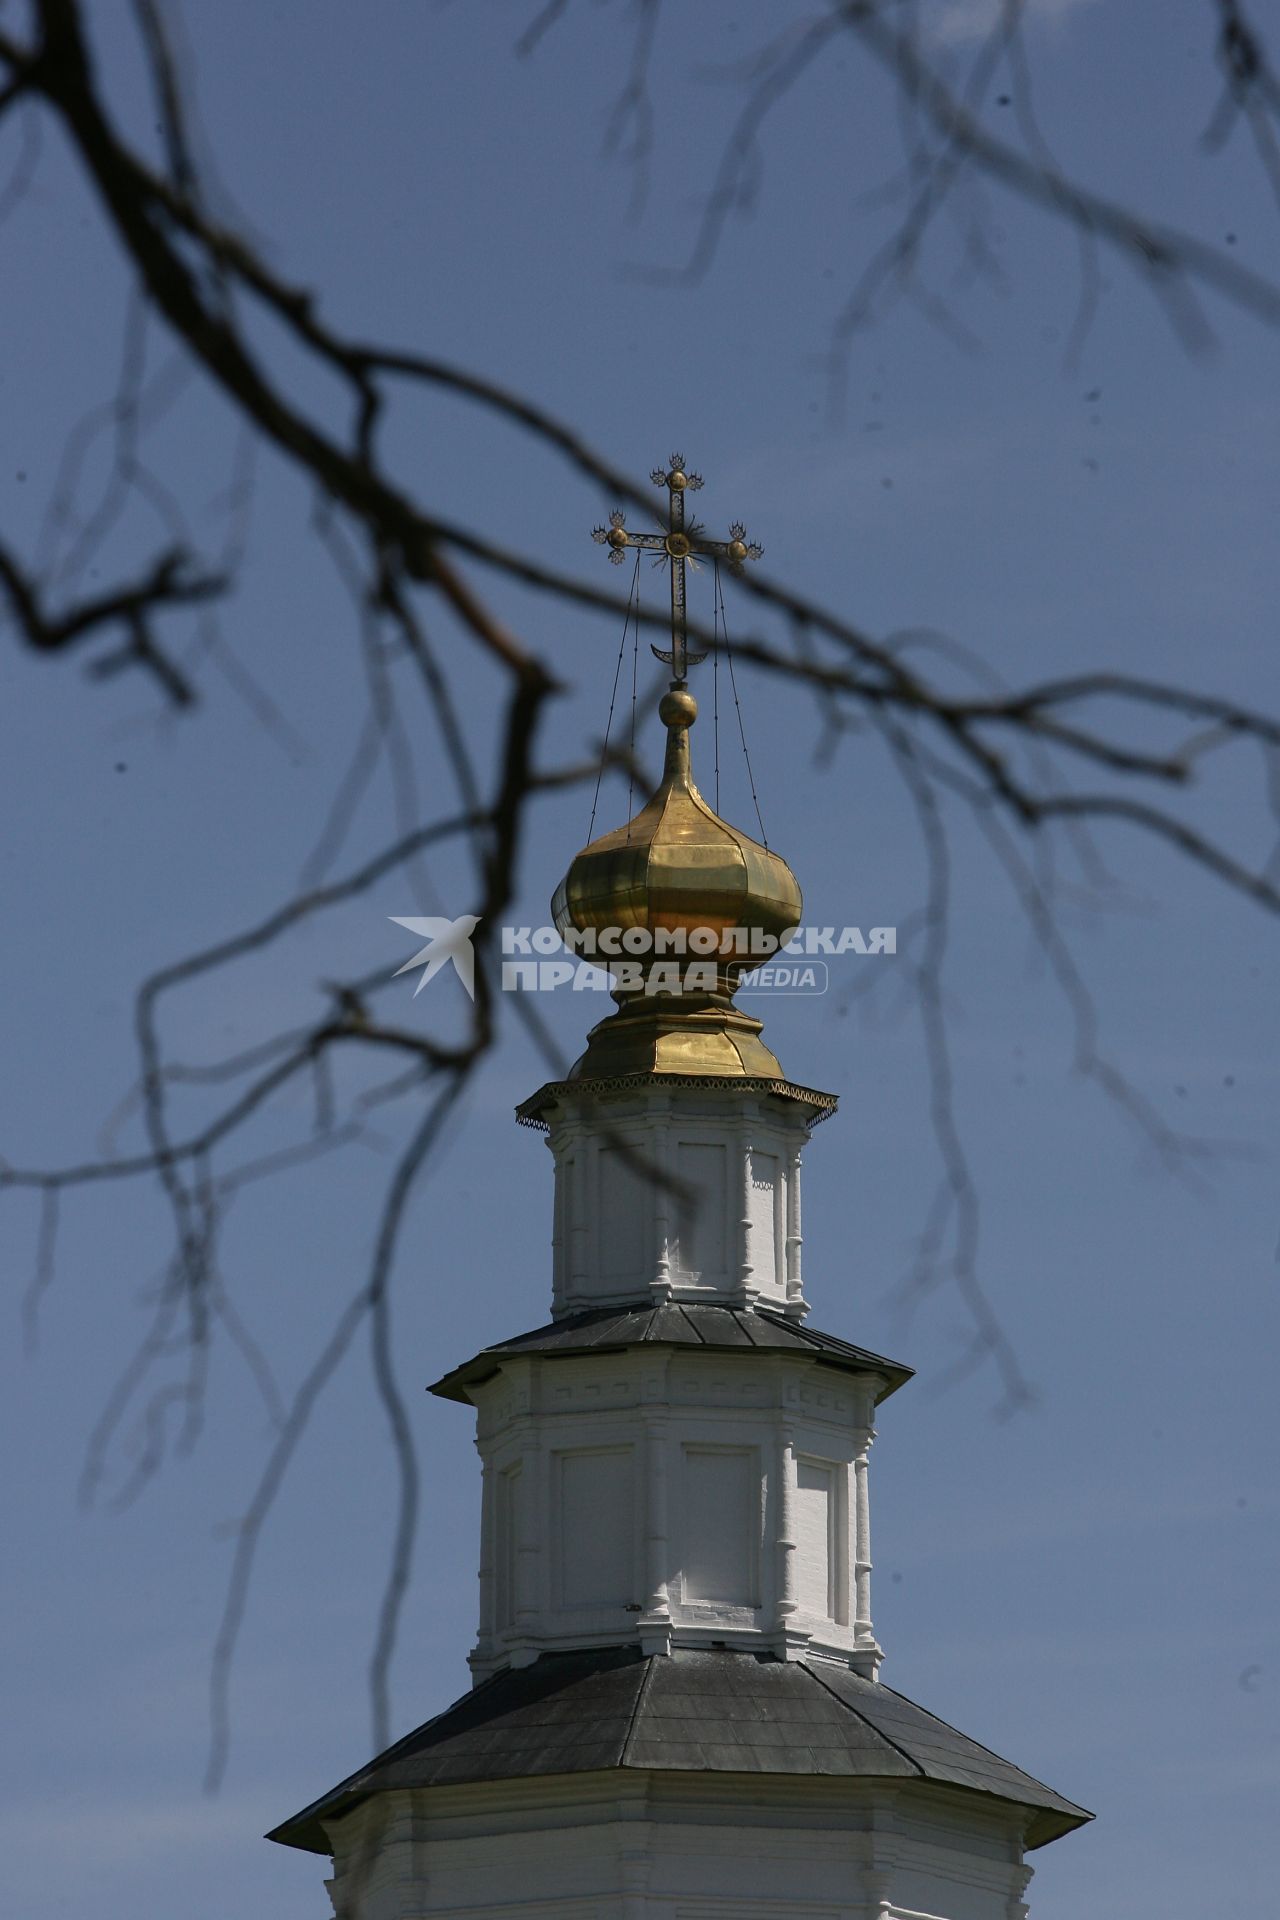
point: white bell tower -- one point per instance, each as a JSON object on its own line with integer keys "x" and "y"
{"x": 676, "y": 1711}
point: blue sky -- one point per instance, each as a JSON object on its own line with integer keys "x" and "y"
{"x": 1088, "y": 1588}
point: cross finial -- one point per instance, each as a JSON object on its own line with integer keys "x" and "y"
{"x": 683, "y": 544}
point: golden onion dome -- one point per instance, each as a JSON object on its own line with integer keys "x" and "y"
{"x": 678, "y": 869}
{"x": 678, "y": 865}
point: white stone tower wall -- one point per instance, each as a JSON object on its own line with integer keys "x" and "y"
{"x": 678, "y": 1193}
{"x": 641, "y": 1846}
{"x": 672, "y": 1496}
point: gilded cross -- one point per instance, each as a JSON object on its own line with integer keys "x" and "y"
{"x": 682, "y": 544}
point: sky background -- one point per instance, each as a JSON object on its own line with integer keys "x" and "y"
{"x": 1088, "y": 1587}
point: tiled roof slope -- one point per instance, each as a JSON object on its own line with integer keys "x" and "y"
{"x": 679, "y": 1325}
{"x": 686, "y": 1712}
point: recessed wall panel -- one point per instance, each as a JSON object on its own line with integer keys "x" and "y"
{"x": 595, "y": 1528}
{"x": 721, "y": 1525}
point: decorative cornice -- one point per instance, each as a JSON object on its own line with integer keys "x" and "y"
{"x": 530, "y": 1112}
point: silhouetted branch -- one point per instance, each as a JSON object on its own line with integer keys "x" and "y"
{"x": 1016, "y": 758}
{"x": 170, "y": 582}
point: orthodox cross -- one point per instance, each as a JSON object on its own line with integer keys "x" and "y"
{"x": 683, "y": 544}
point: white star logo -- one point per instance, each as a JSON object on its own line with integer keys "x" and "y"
{"x": 446, "y": 940}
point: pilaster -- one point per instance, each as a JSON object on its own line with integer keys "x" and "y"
{"x": 868, "y": 1651}
{"x": 796, "y": 1304}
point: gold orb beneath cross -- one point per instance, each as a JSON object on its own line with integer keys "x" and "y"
{"x": 678, "y": 708}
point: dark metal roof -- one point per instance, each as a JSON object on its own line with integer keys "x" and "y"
{"x": 685, "y": 1712}
{"x": 610, "y": 1328}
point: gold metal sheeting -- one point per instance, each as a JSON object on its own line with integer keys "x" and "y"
{"x": 677, "y": 866}
{"x": 679, "y": 1034}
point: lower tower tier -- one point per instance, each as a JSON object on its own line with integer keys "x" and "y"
{"x": 690, "y": 1786}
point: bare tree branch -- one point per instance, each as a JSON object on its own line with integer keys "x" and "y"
{"x": 1035, "y": 766}
{"x": 170, "y": 582}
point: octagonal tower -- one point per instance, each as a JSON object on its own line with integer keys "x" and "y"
{"x": 677, "y": 1712}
